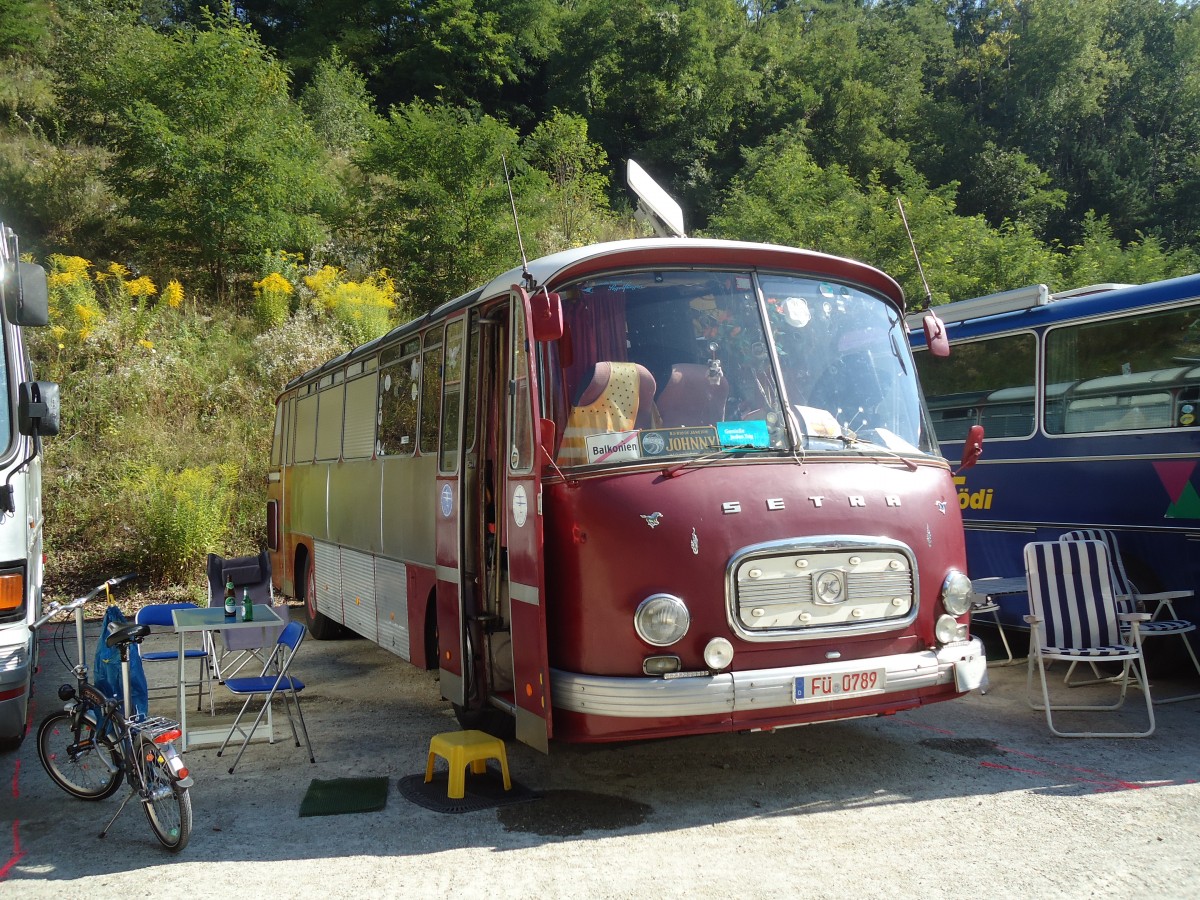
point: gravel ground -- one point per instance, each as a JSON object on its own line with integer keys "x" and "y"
{"x": 966, "y": 799}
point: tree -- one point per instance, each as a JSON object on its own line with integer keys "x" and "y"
{"x": 213, "y": 160}
{"x": 574, "y": 201}
{"x": 338, "y": 105}
{"x": 436, "y": 199}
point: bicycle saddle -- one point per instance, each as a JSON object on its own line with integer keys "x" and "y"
{"x": 127, "y": 634}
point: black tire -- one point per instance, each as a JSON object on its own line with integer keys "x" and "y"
{"x": 320, "y": 626}
{"x": 85, "y": 765}
{"x": 9, "y": 743}
{"x": 168, "y": 806}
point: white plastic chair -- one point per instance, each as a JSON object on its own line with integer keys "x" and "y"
{"x": 1073, "y": 617}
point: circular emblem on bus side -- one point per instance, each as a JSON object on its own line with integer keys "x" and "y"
{"x": 520, "y": 505}
{"x": 447, "y": 500}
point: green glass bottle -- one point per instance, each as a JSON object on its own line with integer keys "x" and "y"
{"x": 247, "y": 606}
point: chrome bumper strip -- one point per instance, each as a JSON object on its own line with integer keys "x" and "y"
{"x": 702, "y": 695}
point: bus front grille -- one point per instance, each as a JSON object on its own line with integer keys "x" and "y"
{"x": 789, "y": 590}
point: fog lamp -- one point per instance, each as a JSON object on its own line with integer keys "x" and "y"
{"x": 660, "y": 665}
{"x": 947, "y": 630}
{"x": 957, "y": 593}
{"x": 661, "y": 619}
{"x": 718, "y": 654}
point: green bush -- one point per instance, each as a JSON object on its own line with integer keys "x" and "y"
{"x": 181, "y": 516}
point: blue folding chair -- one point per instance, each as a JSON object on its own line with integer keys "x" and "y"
{"x": 158, "y": 617}
{"x": 273, "y": 681}
{"x": 1073, "y": 617}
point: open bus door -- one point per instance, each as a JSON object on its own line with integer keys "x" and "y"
{"x": 453, "y": 660}
{"x": 522, "y": 517}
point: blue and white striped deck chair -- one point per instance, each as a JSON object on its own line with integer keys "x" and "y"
{"x": 1130, "y": 599}
{"x": 1073, "y": 617}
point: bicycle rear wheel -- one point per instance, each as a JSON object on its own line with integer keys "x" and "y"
{"x": 81, "y": 762}
{"x": 167, "y": 805}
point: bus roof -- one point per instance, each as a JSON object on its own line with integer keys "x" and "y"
{"x": 1068, "y": 306}
{"x": 557, "y": 268}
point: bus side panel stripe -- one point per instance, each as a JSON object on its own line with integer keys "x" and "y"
{"x": 524, "y": 592}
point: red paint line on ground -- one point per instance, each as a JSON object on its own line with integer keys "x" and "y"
{"x": 17, "y": 852}
{"x": 1105, "y": 783}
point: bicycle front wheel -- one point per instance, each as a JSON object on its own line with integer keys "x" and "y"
{"x": 167, "y": 805}
{"x": 81, "y": 762}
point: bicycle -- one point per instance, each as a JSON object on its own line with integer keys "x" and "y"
{"x": 88, "y": 745}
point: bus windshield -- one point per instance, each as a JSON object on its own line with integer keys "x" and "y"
{"x": 688, "y": 364}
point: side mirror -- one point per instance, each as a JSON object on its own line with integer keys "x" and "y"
{"x": 935, "y": 335}
{"x": 972, "y": 449}
{"x": 28, "y": 301}
{"x": 37, "y": 408}
{"x": 546, "y": 311}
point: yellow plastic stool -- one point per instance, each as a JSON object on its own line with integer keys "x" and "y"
{"x": 460, "y": 748}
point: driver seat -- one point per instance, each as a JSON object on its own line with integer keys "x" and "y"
{"x": 689, "y": 398}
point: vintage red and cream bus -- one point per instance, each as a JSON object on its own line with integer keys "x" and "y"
{"x": 632, "y": 490}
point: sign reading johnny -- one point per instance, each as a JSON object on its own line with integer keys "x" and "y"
{"x": 659, "y": 442}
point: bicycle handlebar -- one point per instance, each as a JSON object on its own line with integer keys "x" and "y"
{"x": 55, "y": 607}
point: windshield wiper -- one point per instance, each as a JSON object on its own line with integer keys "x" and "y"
{"x": 673, "y": 471}
{"x": 853, "y": 442}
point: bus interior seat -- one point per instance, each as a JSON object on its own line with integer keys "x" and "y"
{"x": 690, "y": 398}
{"x": 618, "y": 397}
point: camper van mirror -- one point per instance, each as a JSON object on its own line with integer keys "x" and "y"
{"x": 29, "y": 303}
{"x": 547, "y": 315}
{"x": 935, "y": 335}
{"x": 37, "y": 408}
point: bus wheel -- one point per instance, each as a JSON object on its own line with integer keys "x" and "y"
{"x": 10, "y": 742}
{"x": 320, "y": 626}
{"x": 494, "y": 721}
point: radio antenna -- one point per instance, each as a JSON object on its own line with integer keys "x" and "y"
{"x": 517, "y": 224}
{"x": 917, "y": 257}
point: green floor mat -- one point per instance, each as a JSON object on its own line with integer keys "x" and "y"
{"x": 344, "y": 795}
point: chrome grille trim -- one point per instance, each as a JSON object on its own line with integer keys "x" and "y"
{"x": 773, "y": 584}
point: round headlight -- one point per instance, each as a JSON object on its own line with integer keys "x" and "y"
{"x": 718, "y": 654}
{"x": 946, "y": 629}
{"x": 957, "y": 593}
{"x": 661, "y": 620}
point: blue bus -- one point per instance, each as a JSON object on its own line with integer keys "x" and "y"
{"x": 1090, "y": 405}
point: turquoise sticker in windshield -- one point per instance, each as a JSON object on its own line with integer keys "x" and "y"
{"x": 744, "y": 434}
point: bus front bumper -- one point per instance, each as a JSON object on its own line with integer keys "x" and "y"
{"x": 961, "y": 664}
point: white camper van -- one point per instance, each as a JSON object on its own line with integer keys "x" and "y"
{"x": 28, "y": 410}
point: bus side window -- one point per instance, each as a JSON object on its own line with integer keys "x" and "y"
{"x": 306, "y": 428}
{"x": 431, "y": 390}
{"x": 398, "y": 390}
{"x": 359, "y": 438}
{"x": 1120, "y": 374}
{"x": 987, "y": 382}
{"x": 520, "y": 447}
